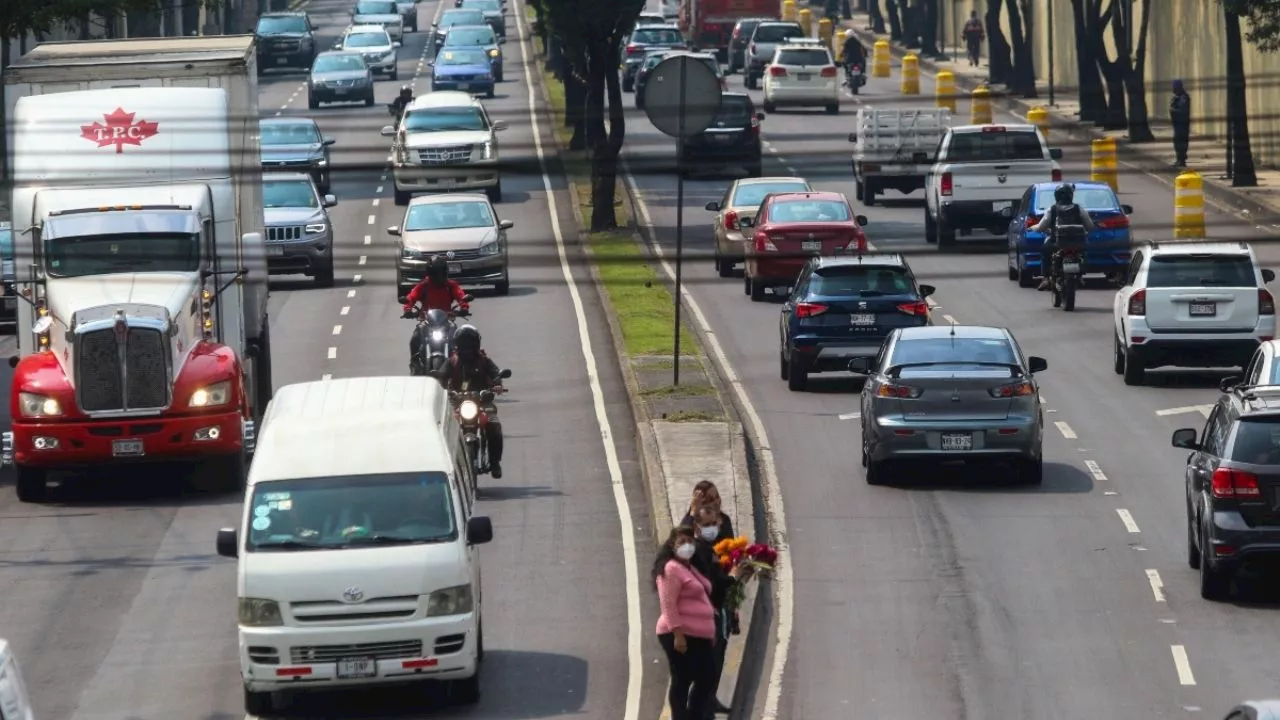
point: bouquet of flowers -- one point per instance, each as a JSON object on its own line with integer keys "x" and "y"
{"x": 751, "y": 559}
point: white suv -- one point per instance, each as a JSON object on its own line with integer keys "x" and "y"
{"x": 445, "y": 142}
{"x": 802, "y": 74}
{"x": 1191, "y": 304}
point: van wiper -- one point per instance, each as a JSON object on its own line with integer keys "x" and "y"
{"x": 392, "y": 539}
{"x": 287, "y": 545}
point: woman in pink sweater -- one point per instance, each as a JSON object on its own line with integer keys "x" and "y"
{"x": 686, "y": 627}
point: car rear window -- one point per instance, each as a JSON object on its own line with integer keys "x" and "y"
{"x": 953, "y": 351}
{"x": 776, "y": 33}
{"x": 803, "y": 57}
{"x": 1257, "y": 441}
{"x": 1087, "y": 198}
{"x": 375, "y": 7}
{"x": 735, "y": 111}
{"x": 993, "y": 146}
{"x": 657, "y": 36}
{"x": 809, "y": 211}
{"x": 651, "y": 61}
{"x": 752, "y": 195}
{"x": 861, "y": 280}
{"x": 1201, "y": 271}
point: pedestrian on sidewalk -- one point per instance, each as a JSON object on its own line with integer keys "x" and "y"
{"x": 708, "y": 520}
{"x": 706, "y": 493}
{"x": 974, "y": 34}
{"x": 686, "y": 625}
{"x": 1180, "y": 118}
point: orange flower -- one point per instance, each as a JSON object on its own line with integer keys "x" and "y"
{"x": 724, "y": 547}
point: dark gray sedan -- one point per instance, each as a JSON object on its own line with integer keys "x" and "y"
{"x": 295, "y": 144}
{"x": 951, "y": 393}
{"x": 338, "y": 76}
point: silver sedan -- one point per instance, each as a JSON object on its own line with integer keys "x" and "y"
{"x": 951, "y": 393}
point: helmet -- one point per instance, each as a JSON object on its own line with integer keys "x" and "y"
{"x": 406, "y": 92}
{"x": 467, "y": 342}
{"x": 437, "y": 269}
{"x": 1064, "y": 194}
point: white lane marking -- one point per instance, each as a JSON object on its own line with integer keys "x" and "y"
{"x": 1182, "y": 664}
{"x": 326, "y": 376}
{"x": 284, "y": 107}
{"x": 376, "y": 201}
{"x": 1110, "y": 492}
{"x": 950, "y": 320}
{"x": 357, "y": 278}
{"x": 278, "y": 113}
{"x": 345, "y": 309}
{"x": 379, "y": 190}
{"x": 631, "y": 574}
{"x": 351, "y": 293}
{"x": 337, "y": 329}
{"x": 1065, "y": 429}
{"x": 373, "y": 219}
{"x": 382, "y": 177}
{"x": 1202, "y": 409}
{"x": 1126, "y": 517}
{"x": 1095, "y": 470}
{"x": 333, "y": 353}
{"x": 363, "y": 259}
{"x": 368, "y": 239}
{"x": 1157, "y": 585}
{"x": 849, "y": 416}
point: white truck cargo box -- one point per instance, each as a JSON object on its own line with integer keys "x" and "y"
{"x": 887, "y": 148}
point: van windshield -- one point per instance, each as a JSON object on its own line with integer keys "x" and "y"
{"x": 78, "y": 256}
{"x": 331, "y": 513}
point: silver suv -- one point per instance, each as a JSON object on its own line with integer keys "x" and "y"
{"x": 768, "y": 36}
{"x": 299, "y": 232}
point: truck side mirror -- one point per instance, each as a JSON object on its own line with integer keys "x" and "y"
{"x": 1268, "y": 275}
{"x": 251, "y": 239}
{"x": 228, "y": 545}
{"x": 330, "y": 201}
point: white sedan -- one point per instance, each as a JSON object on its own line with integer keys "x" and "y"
{"x": 802, "y": 75}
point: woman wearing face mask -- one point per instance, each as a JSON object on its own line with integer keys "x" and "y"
{"x": 686, "y": 626}
{"x": 707, "y": 521}
{"x": 705, "y": 493}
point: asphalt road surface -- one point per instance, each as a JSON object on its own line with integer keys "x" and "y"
{"x": 953, "y": 595}
{"x": 118, "y": 606}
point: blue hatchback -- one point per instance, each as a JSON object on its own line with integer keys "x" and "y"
{"x": 1110, "y": 242}
{"x": 465, "y": 69}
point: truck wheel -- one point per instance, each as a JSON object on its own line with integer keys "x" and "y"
{"x": 324, "y": 276}
{"x": 32, "y": 484}
{"x": 869, "y": 191}
{"x": 930, "y": 228}
{"x": 755, "y": 169}
{"x": 946, "y": 235}
{"x": 258, "y": 703}
{"x": 859, "y": 189}
{"x": 833, "y": 109}
{"x": 770, "y": 107}
{"x": 312, "y": 102}
{"x": 402, "y": 197}
{"x": 222, "y": 473}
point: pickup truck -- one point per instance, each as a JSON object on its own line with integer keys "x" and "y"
{"x": 885, "y": 147}
{"x": 980, "y": 171}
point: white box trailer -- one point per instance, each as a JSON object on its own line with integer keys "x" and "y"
{"x": 139, "y": 247}
{"x": 893, "y": 149}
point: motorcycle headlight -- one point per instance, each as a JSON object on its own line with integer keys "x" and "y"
{"x": 38, "y": 406}
{"x": 468, "y": 410}
{"x": 489, "y": 248}
{"x": 494, "y": 53}
{"x": 449, "y": 601}
{"x": 255, "y": 612}
{"x": 437, "y": 336}
{"x": 211, "y": 395}
{"x": 316, "y": 228}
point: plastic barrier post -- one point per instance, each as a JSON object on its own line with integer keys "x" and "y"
{"x": 1188, "y": 206}
{"x": 1103, "y": 166}
{"x": 789, "y": 10}
{"x": 805, "y": 18}
{"x": 1039, "y": 117}
{"x": 824, "y": 31}
{"x": 910, "y": 75}
{"x": 880, "y": 59}
{"x": 945, "y": 90}
{"x": 837, "y": 45}
{"x": 980, "y": 107}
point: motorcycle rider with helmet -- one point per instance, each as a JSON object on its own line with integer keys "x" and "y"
{"x": 472, "y": 370}
{"x": 1064, "y": 211}
{"x": 435, "y": 292}
{"x": 397, "y": 106}
{"x": 852, "y": 54}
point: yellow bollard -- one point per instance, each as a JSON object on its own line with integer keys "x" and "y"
{"x": 837, "y": 45}
{"x": 824, "y": 31}
{"x": 980, "y": 106}
{"x": 1188, "y": 205}
{"x": 944, "y": 90}
{"x": 880, "y": 59}
{"x": 1103, "y": 167}
{"x": 805, "y": 18}
{"x": 910, "y": 75}
{"x": 1039, "y": 117}
{"x": 789, "y": 10}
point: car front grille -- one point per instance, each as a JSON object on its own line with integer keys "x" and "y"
{"x": 284, "y": 233}
{"x": 446, "y": 155}
{"x": 103, "y": 384}
{"x": 312, "y": 654}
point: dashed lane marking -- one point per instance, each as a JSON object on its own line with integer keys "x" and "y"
{"x": 333, "y": 353}
{"x": 1157, "y": 585}
{"x": 849, "y": 416}
{"x": 1182, "y": 664}
{"x": 1065, "y": 429}
{"x": 358, "y": 277}
{"x": 368, "y": 239}
{"x": 1095, "y": 470}
{"x": 379, "y": 190}
{"x": 950, "y": 320}
{"x": 373, "y": 219}
{"x": 351, "y": 293}
{"x": 375, "y": 202}
{"x": 345, "y": 309}
{"x": 337, "y": 329}
{"x": 363, "y": 259}
{"x": 1126, "y": 517}
{"x": 326, "y": 376}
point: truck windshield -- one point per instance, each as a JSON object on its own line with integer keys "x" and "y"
{"x": 280, "y": 25}
{"x": 333, "y": 513}
{"x": 106, "y": 254}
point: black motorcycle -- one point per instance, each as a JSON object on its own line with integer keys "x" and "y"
{"x": 855, "y": 76}
{"x": 436, "y": 328}
{"x": 1068, "y": 266}
{"x": 470, "y": 406}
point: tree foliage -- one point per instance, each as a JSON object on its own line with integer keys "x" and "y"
{"x": 20, "y": 17}
{"x": 1263, "y": 17}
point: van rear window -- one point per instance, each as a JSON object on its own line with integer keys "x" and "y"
{"x": 1168, "y": 271}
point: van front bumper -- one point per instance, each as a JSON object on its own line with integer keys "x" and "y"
{"x": 292, "y": 658}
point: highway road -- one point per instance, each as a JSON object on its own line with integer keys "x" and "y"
{"x": 954, "y": 595}
{"x": 118, "y": 606}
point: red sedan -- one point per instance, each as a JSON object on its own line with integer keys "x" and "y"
{"x": 792, "y": 227}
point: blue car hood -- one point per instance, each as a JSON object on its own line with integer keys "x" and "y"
{"x": 485, "y": 48}
{"x": 442, "y": 71}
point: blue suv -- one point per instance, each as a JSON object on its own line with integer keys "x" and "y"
{"x": 1106, "y": 249}
{"x": 844, "y": 307}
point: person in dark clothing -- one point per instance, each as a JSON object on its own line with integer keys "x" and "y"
{"x": 1180, "y": 117}
{"x": 853, "y": 53}
{"x": 435, "y": 292}
{"x": 708, "y": 521}
{"x": 397, "y": 106}
{"x": 706, "y": 493}
{"x": 973, "y": 34}
{"x": 1064, "y": 212}
{"x": 472, "y": 370}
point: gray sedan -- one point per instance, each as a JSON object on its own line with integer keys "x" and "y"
{"x": 338, "y": 76}
{"x": 951, "y": 393}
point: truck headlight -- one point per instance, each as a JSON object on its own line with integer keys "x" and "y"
{"x": 490, "y": 248}
{"x": 211, "y": 395}
{"x": 38, "y": 406}
{"x": 407, "y": 254}
{"x": 255, "y": 612}
{"x": 468, "y": 410}
{"x": 450, "y": 601}
{"x": 316, "y": 228}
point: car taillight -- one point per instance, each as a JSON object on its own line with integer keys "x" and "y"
{"x": 1021, "y": 388}
{"x": 763, "y": 244}
{"x": 1056, "y": 176}
{"x": 731, "y": 220}
{"x": 1032, "y": 220}
{"x": 776, "y": 71}
{"x": 890, "y": 390}
{"x": 755, "y": 127}
{"x": 1266, "y": 303}
{"x": 1114, "y": 223}
{"x": 634, "y": 49}
{"x": 828, "y": 72}
{"x": 736, "y": 32}
{"x": 1138, "y": 303}
{"x": 1235, "y": 485}
{"x": 919, "y": 309}
{"x": 947, "y": 185}
{"x": 857, "y": 244}
{"x": 808, "y": 310}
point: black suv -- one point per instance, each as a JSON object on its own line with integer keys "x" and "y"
{"x": 1233, "y": 486}
{"x": 732, "y": 139}
{"x": 285, "y": 39}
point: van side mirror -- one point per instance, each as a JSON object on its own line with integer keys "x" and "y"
{"x": 506, "y": 224}
{"x": 330, "y": 201}
{"x": 1055, "y": 153}
{"x": 1037, "y": 364}
{"x": 860, "y": 365}
{"x": 1185, "y": 438}
{"x": 504, "y": 374}
{"x": 328, "y": 140}
{"x": 228, "y": 544}
{"x": 927, "y": 290}
{"x": 1268, "y": 275}
{"x": 1227, "y": 384}
{"x": 388, "y": 131}
{"x": 1127, "y": 209}
{"x": 393, "y": 230}
{"x": 712, "y": 206}
{"x": 861, "y": 220}
{"x": 479, "y": 530}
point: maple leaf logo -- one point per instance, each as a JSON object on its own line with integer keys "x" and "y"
{"x": 119, "y": 130}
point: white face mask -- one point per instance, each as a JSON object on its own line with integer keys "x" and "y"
{"x": 710, "y": 532}
{"x": 685, "y": 551}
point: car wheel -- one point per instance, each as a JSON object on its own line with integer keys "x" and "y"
{"x": 797, "y": 375}
{"x": 770, "y": 107}
{"x": 1117, "y": 361}
{"x": 394, "y": 74}
{"x": 495, "y": 192}
{"x": 756, "y": 290}
{"x": 368, "y": 100}
{"x": 1134, "y": 371}
{"x": 833, "y": 109}
{"x": 1193, "y": 550}
{"x": 489, "y": 93}
{"x": 503, "y": 286}
{"x": 1031, "y": 472}
{"x": 784, "y": 367}
{"x": 746, "y": 282}
{"x": 467, "y": 690}
{"x": 858, "y": 189}
{"x": 1013, "y": 271}
{"x": 878, "y": 472}
{"x": 402, "y": 196}
{"x": 628, "y": 85}
{"x": 724, "y": 267}
{"x": 324, "y": 276}
{"x": 312, "y": 102}
{"x": 756, "y": 169}
{"x": 1026, "y": 278}
{"x": 32, "y": 484}
{"x": 326, "y": 182}
{"x": 1214, "y": 582}
{"x": 258, "y": 703}
{"x": 499, "y": 77}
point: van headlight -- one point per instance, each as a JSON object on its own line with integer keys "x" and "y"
{"x": 316, "y": 228}
{"x": 255, "y": 612}
{"x": 38, "y": 406}
{"x": 489, "y": 248}
{"x": 468, "y": 410}
{"x": 449, "y": 601}
{"x": 211, "y": 395}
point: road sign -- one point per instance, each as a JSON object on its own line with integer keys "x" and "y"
{"x": 682, "y": 96}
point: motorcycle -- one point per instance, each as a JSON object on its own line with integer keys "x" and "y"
{"x": 854, "y": 78}
{"x": 470, "y": 408}
{"x": 437, "y": 328}
{"x": 1068, "y": 266}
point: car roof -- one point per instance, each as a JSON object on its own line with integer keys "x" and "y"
{"x": 788, "y": 23}
{"x": 341, "y": 52}
{"x": 969, "y": 332}
{"x": 664, "y": 26}
{"x": 773, "y": 179}
{"x": 1266, "y": 709}
{"x": 443, "y": 98}
{"x": 268, "y": 177}
{"x": 1257, "y": 400}
{"x": 895, "y": 259}
{"x": 810, "y": 195}
{"x": 690, "y": 53}
{"x": 365, "y": 29}
{"x": 1009, "y": 127}
{"x": 802, "y": 44}
{"x": 288, "y": 120}
{"x": 447, "y": 198}
{"x": 1222, "y": 247}
{"x": 756, "y": 20}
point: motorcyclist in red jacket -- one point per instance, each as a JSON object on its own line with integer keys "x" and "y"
{"x": 435, "y": 292}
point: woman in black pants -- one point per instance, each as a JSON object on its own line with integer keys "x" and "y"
{"x": 708, "y": 521}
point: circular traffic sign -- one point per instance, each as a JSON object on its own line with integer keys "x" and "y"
{"x": 682, "y": 96}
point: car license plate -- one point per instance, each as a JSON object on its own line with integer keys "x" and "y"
{"x": 127, "y": 448}
{"x": 464, "y": 86}
{"x": 1004, "y": 205}
{"x": 804, "y": 76}
{"x": 957, "y": 441}
{"x": 282, "y": 61}
{"x": 361, "y": 667}
{"x": 722, "y": 138}
{"x": 340, "y": 91}
{"x": 1071, "y": 267}
{"x": 275, "y": 251}
{"x": 811, "y": 244}
{"x": 862, "y": 319}
{"x": 1204, "y": 309}
{"x": 455, "y": 268}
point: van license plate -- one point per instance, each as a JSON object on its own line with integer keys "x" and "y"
{"x": 127, "y": 448}
{"x": 957, "y": 441}
{"x": 814, "y": 245}
{"x": 1204, "y": 309}
{"x": 455, "y": 268}
{"x": 361, "y": 667}
{"x": 862, "y": 319}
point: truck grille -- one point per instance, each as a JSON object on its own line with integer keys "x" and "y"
{"x": 446, "y": 155}
{"x": 284, "y": 234}
{"x": 104, "y": 385}
{"x": 312, "y": 654}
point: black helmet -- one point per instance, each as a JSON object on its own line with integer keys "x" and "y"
{"x": 1065, "y": 194}
{"x": 437, "y": 269}
{"x": 406, "y": 92}
{"x": 467, "y": 342}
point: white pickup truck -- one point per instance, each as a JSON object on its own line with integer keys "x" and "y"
{"x": 893, "y": 149}
{"x": 979, "y": 171}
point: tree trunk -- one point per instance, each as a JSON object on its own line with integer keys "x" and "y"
{"x": 1022, "y": 77}
{"x": 929, "y": 29}
{"x": 575, "y": 71}
{"x": 877, "y": 19}
{"x": 1093, "y": 101}
{"x": 603, "y": 161}
{"x": 1245, "y": 174}
{"x": 999, "y": 62}
{"x": 1115, "y": 118}
{"x": 910, "y": 24}
{"x": 1135, "y": 80}
{"x": 895, "y": 20}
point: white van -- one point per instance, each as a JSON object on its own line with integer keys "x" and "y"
{"x": 357, "y": 549}
{"x": 14, "y": 702}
